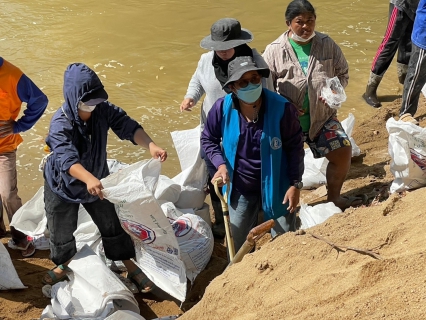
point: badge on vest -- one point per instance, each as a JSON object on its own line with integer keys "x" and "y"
{"x": 276, "y": 143}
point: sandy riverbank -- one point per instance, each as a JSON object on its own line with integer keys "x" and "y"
{"x": 300, "y": 276}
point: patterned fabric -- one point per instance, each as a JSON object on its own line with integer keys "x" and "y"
{"x": 331, "y": 137}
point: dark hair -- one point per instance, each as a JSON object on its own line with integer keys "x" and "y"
{"x": 298, "y": 7}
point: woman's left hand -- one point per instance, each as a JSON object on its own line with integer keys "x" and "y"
{"x": 157, "y": 152}
{"x": 292, "y": 196}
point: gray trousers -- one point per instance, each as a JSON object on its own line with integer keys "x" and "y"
{"x": 9, "y": 198}
{"x": 414, "y": 82}
{"x": 62, "y": 222}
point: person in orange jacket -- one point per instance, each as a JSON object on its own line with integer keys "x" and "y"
{"x": 15, "y": 88}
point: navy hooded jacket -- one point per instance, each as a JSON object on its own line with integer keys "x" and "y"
{"x": 74, "y": 141}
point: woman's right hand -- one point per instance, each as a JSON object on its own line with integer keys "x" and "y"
{"x": 187, "y": 104}
{"x": 221, "y": 172}
{"x": 323, "y": 100}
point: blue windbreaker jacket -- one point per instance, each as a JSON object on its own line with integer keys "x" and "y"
{"x": 74, "y": 141}
{"x": 418, "y": 36}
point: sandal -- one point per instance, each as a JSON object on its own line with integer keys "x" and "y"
{"x": 51, "y": 278}
{"x": 407, "y": 117}
{"x": 27, "y": 251}
{"x": 351, "y": 199}
{"x": 143, "y": 283}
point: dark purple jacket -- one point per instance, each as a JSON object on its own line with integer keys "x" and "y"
{"x": 247, "y": 175}
{"x": 74, "y": 141}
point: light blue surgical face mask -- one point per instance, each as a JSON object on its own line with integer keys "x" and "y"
{"x": 250, "y": 93}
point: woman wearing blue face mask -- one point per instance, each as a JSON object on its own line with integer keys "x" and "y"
{"x": 254, "y": 139}
{"x": 300, "y": 61}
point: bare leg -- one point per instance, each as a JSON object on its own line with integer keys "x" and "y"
{"x": 337, "y": 169}
{"x": 130, "y": 266}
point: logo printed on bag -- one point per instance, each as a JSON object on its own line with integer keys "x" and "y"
{"x": 418, "y": 159}
{"x": 172, "y": 250}
{"x": 139, "y": 230}
{"x": 181, "y": 226}
{"x": 276, "y": 143}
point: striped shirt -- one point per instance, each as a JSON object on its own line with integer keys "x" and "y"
{"x": 326, "y": 60}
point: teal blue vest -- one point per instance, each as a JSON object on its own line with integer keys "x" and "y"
{"x": 275, "y": 182}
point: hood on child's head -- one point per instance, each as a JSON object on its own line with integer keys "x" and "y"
{"x": 81, "y": 84}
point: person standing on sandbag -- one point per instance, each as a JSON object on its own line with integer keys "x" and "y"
{"x": 78, "y": 140}
{"x": 397, "y": 37}
{"x": 226, "y": 41}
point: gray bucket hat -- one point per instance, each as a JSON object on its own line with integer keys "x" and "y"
{"x": 241, "y": 65}
{"x": 226, "y": 34}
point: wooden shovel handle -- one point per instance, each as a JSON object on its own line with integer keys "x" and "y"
{"x": 224, "y": 198}
{"x": 260, "y": 229}
{"x": 255, "y": 234}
